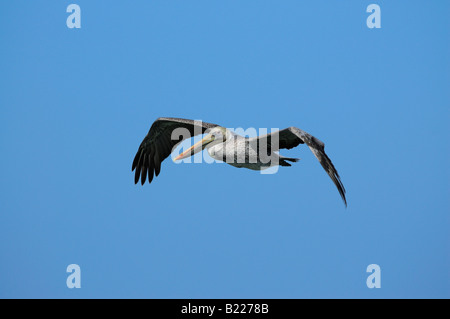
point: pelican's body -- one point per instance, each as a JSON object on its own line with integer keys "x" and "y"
{"x": 242, "y": 152}
{"x": 255, "y": 153}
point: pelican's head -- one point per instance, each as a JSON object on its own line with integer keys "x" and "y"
{"x": 215, "y": 136}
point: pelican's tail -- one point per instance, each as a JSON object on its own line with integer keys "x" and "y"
{"x": 284, "y": 160}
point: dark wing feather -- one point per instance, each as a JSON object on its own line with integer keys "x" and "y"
{"x": 158, "y": 145}
{"x": 292, "y": 137}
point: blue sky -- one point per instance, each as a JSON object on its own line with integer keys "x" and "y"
{"x": 76, "y": 103}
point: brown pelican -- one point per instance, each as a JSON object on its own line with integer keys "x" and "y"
{"x": 222, "y": 144}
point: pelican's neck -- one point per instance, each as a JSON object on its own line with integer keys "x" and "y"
{"x": 230, "y": 135}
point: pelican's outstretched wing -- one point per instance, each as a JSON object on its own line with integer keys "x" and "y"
{"x": 291, "y": 137}
{"x": 159, "y": 143}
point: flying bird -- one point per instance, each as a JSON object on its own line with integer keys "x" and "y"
{"x": 222, "y": 144}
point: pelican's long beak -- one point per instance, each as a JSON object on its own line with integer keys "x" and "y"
{"x": 197, "y": 147}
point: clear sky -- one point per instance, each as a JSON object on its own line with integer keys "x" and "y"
{"x": 76, "y": 103}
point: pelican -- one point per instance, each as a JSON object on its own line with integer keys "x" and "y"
{"x": 256, "y": 153}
